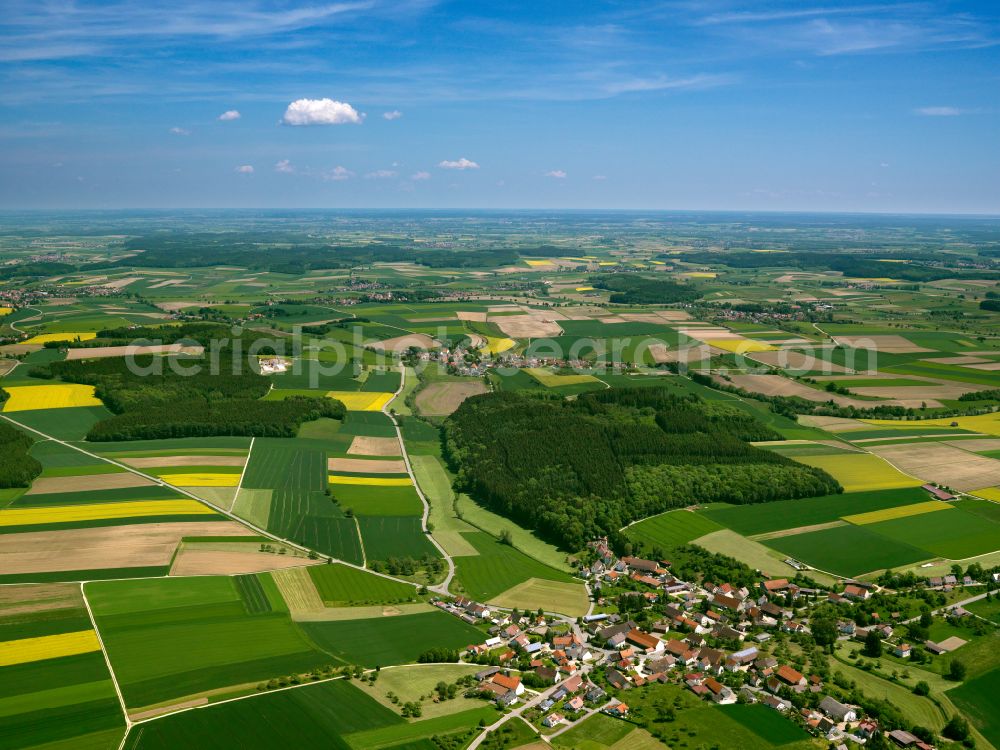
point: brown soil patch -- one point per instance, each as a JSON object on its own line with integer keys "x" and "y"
{"x": 890, "y": 343}
{"x": 958, "y": 360}
{"x": 130, "y": 545}
{"x": 121, "y": 283}
{"x": 6, "y": 365}
{"x": 366, "y": 466}
{"x": 944, "y": 464}
{"x": 674, "y": 314}
{"x": 476, "y": 317}
{"x": 919, "y": 393}
{"x": 160, "y": 710}
{"x": 152, "y": 462}
{"x": 661, "y": 353}
{"x": 789, "y": 359}
{"x": 988, "y": 367}
{"x": 179, "y": 305}
{"x": 778, "y": 385}
{"x": 38, "y": 597}
{"x": 88, "y": 483}
{"x": 402, "y": 343}
{"x": 374, "y": 446}
{"x": 197, "y": 562}
{"x": 20, "y": 348}
{"x": 442, "y": 398}
{"x": 121, "y": 351}
{"x": 980, "y": 444}
{"x": 533, "y": 325}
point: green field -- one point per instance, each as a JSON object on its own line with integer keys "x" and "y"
{"x": 979, "y": 700}
{"x": 341, "y": 586}
{"x": 599, "y": 731}
{"x": 671, "y": 529}
{"x": 309, "y": 716}
{"x": 395, "y": 536}
{"x": 793, "y": 514}
{"x": 849, "y": 550}
{"x": 373, "y": 500}
{"x": 400, "y": 639}
{"x": 175, "y": 637}
{"x": 952, "y": 534}
{"x": 498, "y": 567}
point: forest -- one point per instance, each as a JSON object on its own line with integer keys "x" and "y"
{"x": 155, "y": 397}
{"x": 629, "y": 289}
{"x": 17, "y": 466}
{"x": 574, "y": 470}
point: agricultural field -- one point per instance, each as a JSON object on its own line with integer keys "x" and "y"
{"x": 979, "y": 699}
{"x": 671, "y": 529}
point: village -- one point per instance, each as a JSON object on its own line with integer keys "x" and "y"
{"x": 724, "y": 644}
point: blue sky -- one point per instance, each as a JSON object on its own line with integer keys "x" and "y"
{"x": 830, "y": 106}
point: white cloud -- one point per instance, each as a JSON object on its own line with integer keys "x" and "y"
{"x": 939, "y": 111}
{"x": 230, "y": 114}
{"x": 179, "y": 131}
{"x": 380, "y": 174}
{"x": 462, "y": 163}
{"x": 394, "y": 115}
{"x": 284, "y": 166}
{"x": 245, "y": 169}
{"x": 599, "y": 177}
{"x": 338, "y": 174}
{"x": 557, "y": 173}
{"x": 420, "y": 176}
{"x": 321, "y": 112}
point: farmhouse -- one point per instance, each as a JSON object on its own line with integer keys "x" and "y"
{"x": 510, "y": 683}
{"x": 719, "y": 693}
{"x": 790, "y": 676}
{"x": 837, "y": 711}
{"x": 858, "y": 593}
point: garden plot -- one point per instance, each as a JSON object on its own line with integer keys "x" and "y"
{"x": 943, "y": 464}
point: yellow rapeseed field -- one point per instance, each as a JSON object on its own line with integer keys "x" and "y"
{"x": 498, "y": 345}
{"x": 98, "y": 511}
{"x": 889, "y": 514}
{"x": 536, "y": 263}
{"x": 6, "y": 311}
{"x": 361, "y": 400}
{"x": 201, "y": 479}
{"x": 26, "y": 650}
{"x": 55, "y": 396}
{"x": 44, "y": 338}
{"x": 988, "y": 424}
{"x": 858, "y": 472}
{"x": 700, "y": 275}
{"x": 377, "y": 481}
{"x": 988, "y": 493}
{"x": 585, "y": 289}
{"x": 741, "y": 346}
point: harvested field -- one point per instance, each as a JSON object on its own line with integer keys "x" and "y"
{"x": 803, "y": 361}
{"x": 944, "y": 464}
{"x": 930, "y": 392}
{"x": 475, "y": 317}
{"x": 38, "y": 597}
{"x": 833, "y": 424}
{"x": 121, "y": 283}
{"x": 129, "y": 546}
{"x": 402, "y": 343}
{"x": 361, "y": 400}
{"x": 985, "y": 367}
{"x": 88, "y": 483}
{"x": 976, "y": 445}
{"x": 298, "y": 591}
{"x": 966, "y": 360}
{"x": 661, "y": 353}
{"x": 178, "y": 305}
{"x": 889, "y": 343}
{"x": 6, "y": 365}
{"x": 529, "y": 326}
{"x": 374, "y": 446}
{"x": 122, "y": 351}
{"x": 198, "y": 562}
{"x": 55, "y": 396}
{"x": 442, "y": 398}
{"x": 888, "y": 514}
{"x": 778, "y": 385}
{"x": 153, "y": 462}
{"x": 366, "y": 466}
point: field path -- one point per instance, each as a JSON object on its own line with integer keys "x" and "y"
{"x": 107, "y": 661}
{"x": 441, "y": 588}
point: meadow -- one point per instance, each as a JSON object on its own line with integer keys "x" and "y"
{"x": 498, "y": 567}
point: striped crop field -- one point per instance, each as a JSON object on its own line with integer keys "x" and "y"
{"x": 368, "y": 480}
{"x": 202, "y": 479}
{"x": 26, "y": 650}
{"x": 361, "y": 400}
{"x": 903, "y": 511}
{"x": 100, "y": 511}
{"x": 44, "y": 338}
{"x": 61, "y": 396}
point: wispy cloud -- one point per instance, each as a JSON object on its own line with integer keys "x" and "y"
{"x": 229, "y": 115}
{"x": 393, "y": 115}
{"x": 556, "y": 173}
{"x": 420, "y": 176}
{"x": 381, "y": 174}
{"x": 179, "y": 131}
{"x": 462, "y": 163}
{"x": 939, "y": 111}
{"x": 244, "y": 169}
{"x": 337, "y": 174}
{"x": 284, "y": 166}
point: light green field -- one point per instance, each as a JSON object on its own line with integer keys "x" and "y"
{"x": 726, "y": 542}
{"x": 436, "y": 486}
{"x": 523, "y": 539}
{"x": 552, "y": 596}
{"x": 417, "y": 682}
{"x": 858, "y": 472}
